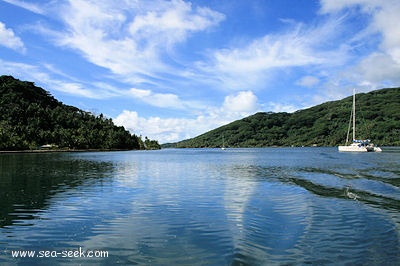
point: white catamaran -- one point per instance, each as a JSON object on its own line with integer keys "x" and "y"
{"x": 357, "y": 145}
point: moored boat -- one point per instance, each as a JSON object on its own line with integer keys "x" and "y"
{"x": 357, "y": 145}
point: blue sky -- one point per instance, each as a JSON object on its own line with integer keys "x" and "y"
{"x": 171, "y": 70}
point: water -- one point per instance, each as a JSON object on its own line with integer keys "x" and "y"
{"x": 273, "y": 206}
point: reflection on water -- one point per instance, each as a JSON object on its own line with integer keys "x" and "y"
{"x": 203, "y": 207}
{"x": 28, "y": 181}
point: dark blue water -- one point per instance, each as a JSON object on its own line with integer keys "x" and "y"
{"x": 274, "y": 206}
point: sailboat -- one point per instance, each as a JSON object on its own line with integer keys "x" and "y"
{"x": 223, "y": 143}
{"x": 357, "y": 145}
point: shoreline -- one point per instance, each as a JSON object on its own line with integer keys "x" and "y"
{"x": 63, "y": 150}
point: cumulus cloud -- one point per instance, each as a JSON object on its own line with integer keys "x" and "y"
{"x": 234, "y": 107}
{"x": 244, "y": 101}
{"x": 162, "y": 129}
{"x": 9, "y": 39}
{"x": 374, "y": 71}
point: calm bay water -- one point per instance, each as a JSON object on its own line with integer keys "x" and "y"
{"x": 273, "y": 206}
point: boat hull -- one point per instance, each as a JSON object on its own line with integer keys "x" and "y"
{"x": 359, "y": 148}
{"x": 353, "y": 149}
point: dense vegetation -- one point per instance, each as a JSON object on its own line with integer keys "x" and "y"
{"x": 378, "y": 118}
{"x": 30, "y": 117}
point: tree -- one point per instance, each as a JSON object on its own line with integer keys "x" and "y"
{"x": 30, "y": 117}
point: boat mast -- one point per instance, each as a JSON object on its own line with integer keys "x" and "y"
{"x": 354, "y": 114}
{"x": 348, "y": 128}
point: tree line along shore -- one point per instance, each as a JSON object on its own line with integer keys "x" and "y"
{"x": 31, "y": 119}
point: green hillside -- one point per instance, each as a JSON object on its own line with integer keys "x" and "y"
{"x": 30, "y": 117}
{"x": 378, "y": 118}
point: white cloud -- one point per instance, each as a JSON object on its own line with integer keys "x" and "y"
{"x": 25, "y": 5}
{"x": 308, "y": 81}
{"x": 374, "y": 71}
{"x": 281, "y": 107}
{"x": 165, "y": 130}
{"x": 140, "y": 93}
{"x": 386, "y": 21}
{"x": 332, "y": 6}
{"x": 73, "y": 89}
{"x": 162, "y": 129}
{"x": 381, "y": 67}
{"x": 9, "y": 40}
{"x": 244, "y": 101}
{"x": 234, "y": 107}
{"x": 37, "y": 74}
{"x": 172, "y": 22}
{"x": 165, "y": 100}
{"x": 131, "y": 39}
{"x": 251, "y": 65}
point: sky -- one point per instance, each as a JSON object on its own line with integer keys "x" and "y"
{"x": 172, "y": 70}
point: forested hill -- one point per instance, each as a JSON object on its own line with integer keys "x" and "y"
{"x": 378, "y": 118}
{"x": 30, "y": 117}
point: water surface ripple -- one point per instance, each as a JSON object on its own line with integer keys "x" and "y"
{"x": 272, "y": 206}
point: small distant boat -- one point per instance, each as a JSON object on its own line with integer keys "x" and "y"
{"x": 357, "y": 145}
{"x": 223, "y": 143}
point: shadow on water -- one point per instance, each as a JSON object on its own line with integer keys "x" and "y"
{"x": 391, "y": 177}
{"x": 332, "y": 184}
{"x": 362, "y": 196}
{"x": 28, "y": 181}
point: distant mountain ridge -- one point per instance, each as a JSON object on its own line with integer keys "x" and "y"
{"x": 378, "y": 118}
{"x": 31, "y": 118}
